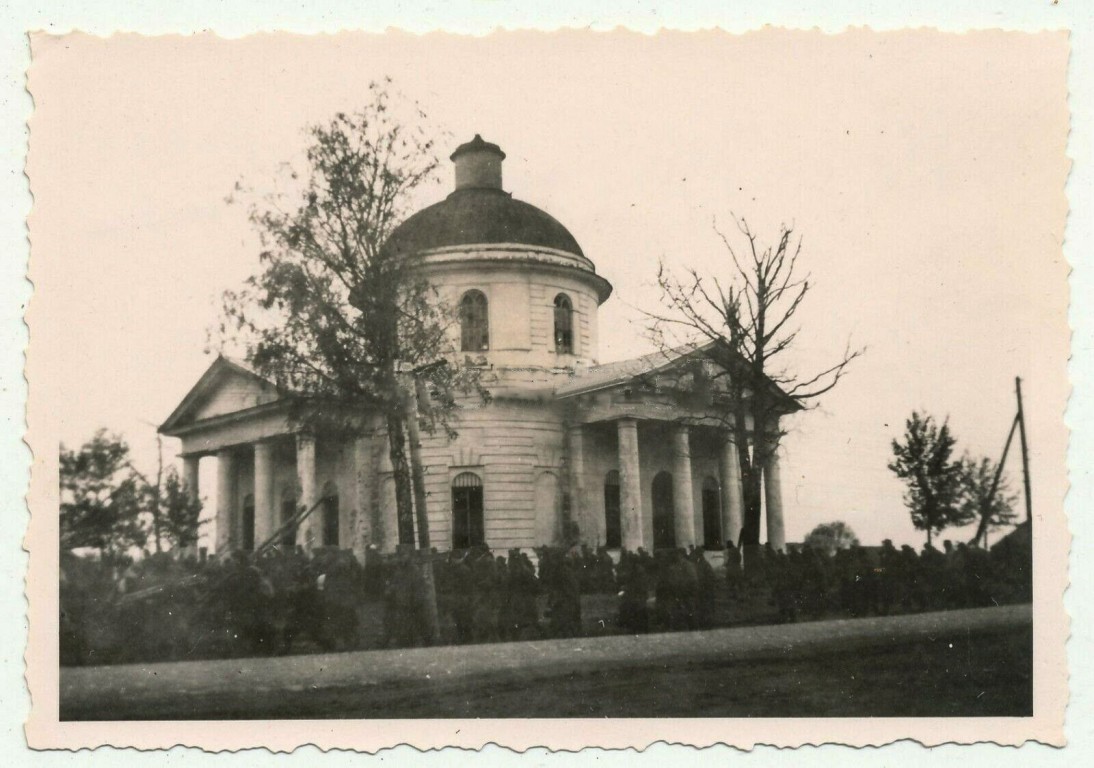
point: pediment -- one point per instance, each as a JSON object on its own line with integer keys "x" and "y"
{"x": 227, "y": 387}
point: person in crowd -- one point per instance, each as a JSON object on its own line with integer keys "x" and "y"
{"x": 706, "y": 588}
{"x": 734, "y": 571}
{"x": 634, "y": 593}
{"x": 563, "y": 596}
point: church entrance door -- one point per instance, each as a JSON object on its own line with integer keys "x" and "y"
{"x": 467, "y": 519}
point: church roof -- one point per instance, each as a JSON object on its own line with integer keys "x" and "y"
{"x": 481, "y": 216}
{"x": 622, "y": 371}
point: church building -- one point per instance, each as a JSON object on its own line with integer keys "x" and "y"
{"x": 610, "y": 454}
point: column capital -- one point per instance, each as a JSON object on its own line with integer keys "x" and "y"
{"x": 681, "y": 439}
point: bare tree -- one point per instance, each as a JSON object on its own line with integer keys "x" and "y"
{"x": 741, "y": 325}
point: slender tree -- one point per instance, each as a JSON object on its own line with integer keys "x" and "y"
{"x": 100, "y": 498}
{"x": 174, "y": 511}
{"x": 935, "y": 481}
{"x": 333, "y": 314}
{"x": 740, "y": 325}
{"x": 986, "y": 494}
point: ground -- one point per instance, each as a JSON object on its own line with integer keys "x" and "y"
{"x": 969, "y": 663}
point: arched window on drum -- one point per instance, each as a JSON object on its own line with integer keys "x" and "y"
{"x": 564, "y": 325}
{"x": 468, "y": 528}
{"x": 474, "y": 322}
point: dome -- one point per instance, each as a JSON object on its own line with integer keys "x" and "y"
{"x": 481, "y": 215}
{"x": 480, "y": 211}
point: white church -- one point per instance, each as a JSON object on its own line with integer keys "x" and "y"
{"x": 613, "y": 451}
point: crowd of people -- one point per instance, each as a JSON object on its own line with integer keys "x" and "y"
{"x": 162, "y": 607}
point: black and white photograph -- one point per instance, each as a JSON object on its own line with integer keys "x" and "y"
{"x": 553, "y": 377}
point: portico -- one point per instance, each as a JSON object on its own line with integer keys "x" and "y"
{"x": 699, "y": 466}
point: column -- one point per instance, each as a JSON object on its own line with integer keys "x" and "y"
{"x": 683, "y": 498}
{"x": 266, "y": 521}
{"x": 190, "y": 476}
{"x": 773, "y": 500}
{"x": 630, "y": 485}
{"x": 226, "y": 537}
{"x": 190, "y": 484}
{"x": 362, "y": 497}
{"x": 305, "y": 476}
{"x": 592, "y": 526}
{"x": 732, "y": 500}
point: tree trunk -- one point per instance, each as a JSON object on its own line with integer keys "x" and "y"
{"x": 404, "y": 504}
{"x": 417, "y": 475}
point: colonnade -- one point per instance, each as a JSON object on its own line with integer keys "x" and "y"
{"x": 633, "y": 488}
{"x": 229, "y": 518}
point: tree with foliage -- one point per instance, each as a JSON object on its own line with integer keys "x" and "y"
{"x": 741, "y": 324}
{"x": 333, "y": 315}
{"x": 986, "y": 494}
{"x": 175, "y": 512}
{"x": 100, "y": 498}
{"x": 935, "y": 481}
{"x": 831, "y": 537}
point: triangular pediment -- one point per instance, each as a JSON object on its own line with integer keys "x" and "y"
{"x": 226, "y": 387}
{"x": 693, "y": 368}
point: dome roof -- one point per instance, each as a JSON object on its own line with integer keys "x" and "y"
{"x": 481, "y": 215}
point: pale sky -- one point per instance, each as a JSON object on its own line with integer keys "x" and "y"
{"x": 924, "y": 170}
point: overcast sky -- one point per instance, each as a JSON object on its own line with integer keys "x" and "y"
{"x": 924, "y": 171}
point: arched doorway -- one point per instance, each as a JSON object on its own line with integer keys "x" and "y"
{"x": 613, "y": 524}
{"x": 247, "y": 541}
{"x": 330, "y": 515}
{"x": 712, "y": 514}
{"x": 664, "y": 523}
{"x": 468, "y": 529}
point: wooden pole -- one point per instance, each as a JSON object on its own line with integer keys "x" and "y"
{"x": 985, "y": 514}
{"x": 1025, "y": 450}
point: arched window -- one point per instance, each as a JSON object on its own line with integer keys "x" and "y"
{"x": 613, "y": 529}
{"x": 564, "y": 325}
{"x": 664, "y": 516}
{"x": 474, "y": 322}
{"x": 248, "y": 527}
{"x": 468, "y": 529}
{"x": 288, "y": 509}
{"x": 712, "y": 514}
{"x": 330, "y": 515}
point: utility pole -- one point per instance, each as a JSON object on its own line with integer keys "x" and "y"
{"x": 1025, "y": 450}
{"x": 985, "y": 514}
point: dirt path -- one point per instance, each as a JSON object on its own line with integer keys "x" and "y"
{"x": 959, "y": 662}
